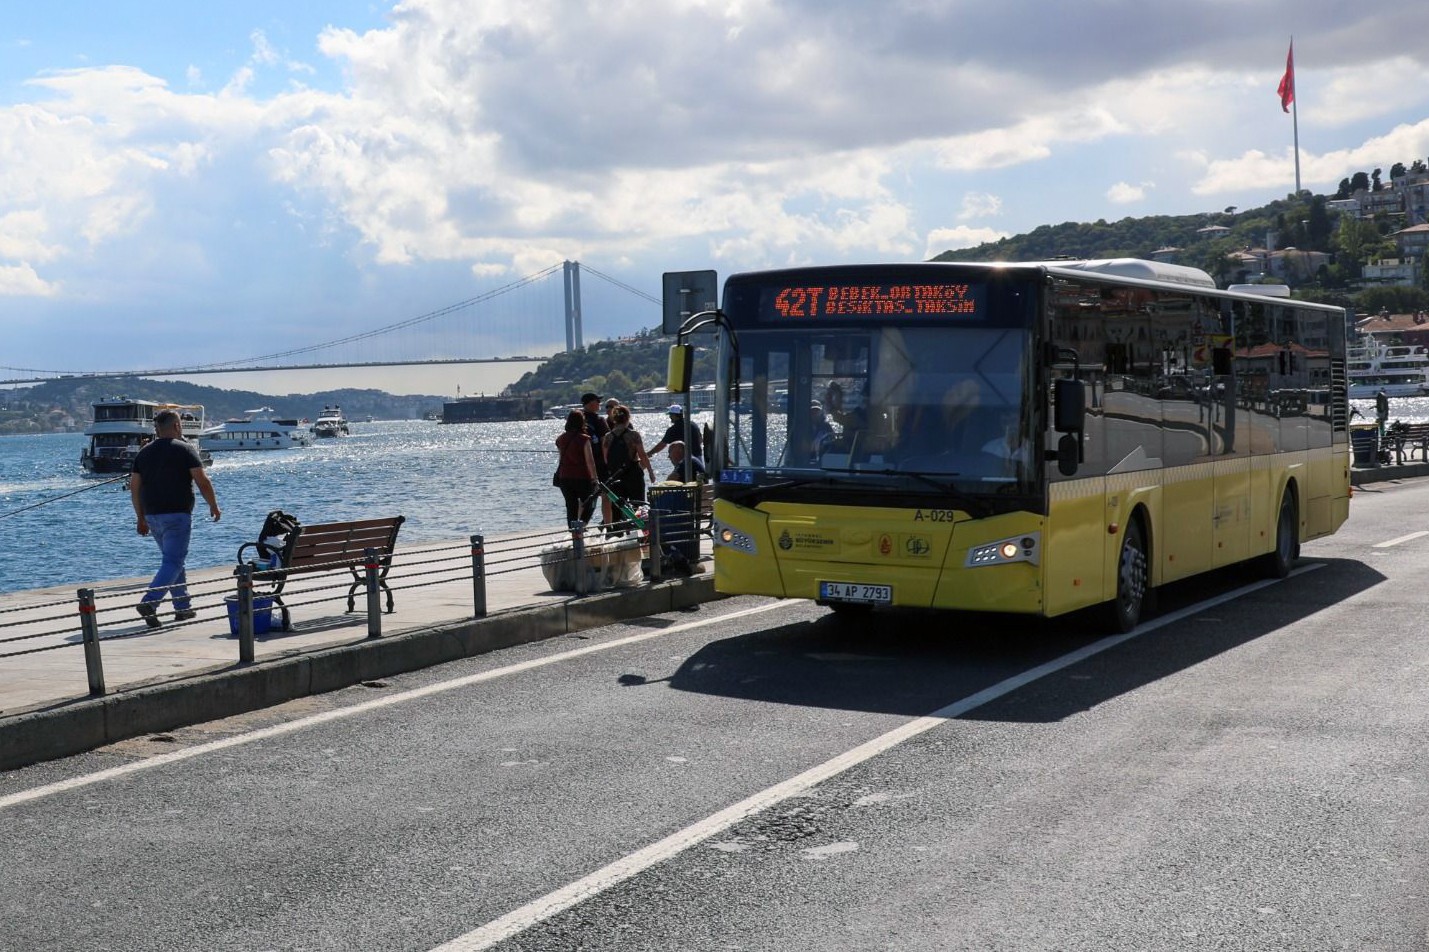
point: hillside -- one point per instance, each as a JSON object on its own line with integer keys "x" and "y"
{"x": 613, "y": 368}
{"x": 44, "y": 407}
{"x": 1303, "y": 223}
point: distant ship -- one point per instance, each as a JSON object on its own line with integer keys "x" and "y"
{"x": 492, "y": 409}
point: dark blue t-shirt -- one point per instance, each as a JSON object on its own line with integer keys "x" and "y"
{"x": 165, "y": 484}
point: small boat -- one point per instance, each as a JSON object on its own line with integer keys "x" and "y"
{"x": 1400, "y": 370}
{"x": 330, "y": 423}
{"x": 255, "y": 430}
{"x": 120, "y": 427}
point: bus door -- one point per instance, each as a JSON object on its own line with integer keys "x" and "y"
{"x": 1232, "y": 438}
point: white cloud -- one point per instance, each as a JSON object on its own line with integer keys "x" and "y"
{"x": 1256, "y": 169}
{"x": 22, "y": 281}
{"x": 979, "y": 205}
{"x": 1124, "y": 193}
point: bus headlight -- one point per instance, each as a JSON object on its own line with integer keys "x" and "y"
{"x": 732, "y": 538}
{"x": 1023, "y": 548}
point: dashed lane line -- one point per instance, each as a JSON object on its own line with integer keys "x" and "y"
{"x": 1404, "y": 538}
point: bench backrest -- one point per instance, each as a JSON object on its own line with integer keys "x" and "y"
{"x": 330, "y": 544}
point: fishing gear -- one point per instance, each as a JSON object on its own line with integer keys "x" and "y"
{"x": 46, "y": 502}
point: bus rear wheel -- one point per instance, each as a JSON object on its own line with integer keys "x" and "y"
{"x": 1287, "y": 540}
{"x": 1124, "y": 612}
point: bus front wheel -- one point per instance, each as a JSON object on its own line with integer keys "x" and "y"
{"x": 1131, "y": 579}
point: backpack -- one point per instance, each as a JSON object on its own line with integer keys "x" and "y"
{"x": 617, "y": 453}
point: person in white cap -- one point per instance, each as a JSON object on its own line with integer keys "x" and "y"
{"x": 676, "y": 434}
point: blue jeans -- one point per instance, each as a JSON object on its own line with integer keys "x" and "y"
{"x": 171, "y": 530}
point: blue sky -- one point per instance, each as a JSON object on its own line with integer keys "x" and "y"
{"x": 199, "y": 182}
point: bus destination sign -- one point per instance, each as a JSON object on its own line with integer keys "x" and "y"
{"x": 924, "y": 300}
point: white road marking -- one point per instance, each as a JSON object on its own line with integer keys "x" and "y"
{"x": 1404, "y": 538}
{"x": 277, "y": 730}
{"x": 518, "y": 920}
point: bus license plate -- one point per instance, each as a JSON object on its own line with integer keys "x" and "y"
{"x": 856, "y": 593}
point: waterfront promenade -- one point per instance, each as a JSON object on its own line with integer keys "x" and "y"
{"x": 158, "y": 679}
{"x": 184, "y": 674}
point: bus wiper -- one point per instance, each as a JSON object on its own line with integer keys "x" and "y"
{"x": 973, "y": 505}
{"x": 754, "y": 491}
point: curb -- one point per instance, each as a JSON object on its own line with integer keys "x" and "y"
{"x": 1382, "y": 474}
{"x": 86, "y": 724}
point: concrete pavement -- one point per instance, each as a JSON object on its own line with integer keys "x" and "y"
{"x": 186, "y": 673}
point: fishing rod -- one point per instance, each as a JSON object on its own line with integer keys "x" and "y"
{"x": 46, "y": 502}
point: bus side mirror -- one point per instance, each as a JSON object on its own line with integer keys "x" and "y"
{"x": 1071, "y": 405}
{"x": 1221, "y": 363}
{"x": 682, "y": 361}
{"x": 1070, "y": 418}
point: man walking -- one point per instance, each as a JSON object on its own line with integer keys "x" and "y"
{"x": 161, "y": 490}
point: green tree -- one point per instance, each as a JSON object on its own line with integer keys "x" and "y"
{"x": 1357, "y": 237}
{"x": 1396, "y": 171}
{"x": 1359, "y": 182}
{"x": 1319, "y": 228}
{"x": 1344, "y": 191}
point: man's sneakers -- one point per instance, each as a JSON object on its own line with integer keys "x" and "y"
{"x": 149, "y": 611}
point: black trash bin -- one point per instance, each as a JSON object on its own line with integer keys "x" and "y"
{"x": 676, "y": 506}
{"x": 1364, "y": 443}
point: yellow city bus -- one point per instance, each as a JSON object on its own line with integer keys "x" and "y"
{"x": 1030, "y": 438}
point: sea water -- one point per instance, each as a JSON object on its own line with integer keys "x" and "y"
{"x": 61, "y": 527}
{"x": 449, "y": 481}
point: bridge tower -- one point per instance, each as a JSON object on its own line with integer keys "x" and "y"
{"x": 573, "y": 306}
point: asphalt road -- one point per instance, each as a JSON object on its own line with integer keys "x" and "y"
{"x": 1247, "y": 771}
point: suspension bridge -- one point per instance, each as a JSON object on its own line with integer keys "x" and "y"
{"x": 517, "y": 322}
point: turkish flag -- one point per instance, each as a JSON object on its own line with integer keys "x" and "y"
{"x": 1286, "y": 89}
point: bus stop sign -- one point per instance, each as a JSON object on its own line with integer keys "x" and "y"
{"x": 688, "y": 293}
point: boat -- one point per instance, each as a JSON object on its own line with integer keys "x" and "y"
{"x": 1400, "y": 370}
{"x": 255, "y": 430}
{"x": 330, "y": 423}
{"x": 120, "y": 427}
{"x": 491, "y": 409}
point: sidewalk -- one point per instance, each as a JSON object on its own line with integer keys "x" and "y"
{"x": 158, "y": 679}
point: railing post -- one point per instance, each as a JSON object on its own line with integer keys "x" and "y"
{"x": 89, "y": 624}
{"x": 245, "y": 613}
{"x": 578, "y": 560}
{"x": 478, "y": 576}
{"x": 374, "y": 601}
{"x": 655, "y": 520}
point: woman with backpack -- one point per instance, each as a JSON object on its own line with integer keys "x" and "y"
{"x": 625, "y": 457}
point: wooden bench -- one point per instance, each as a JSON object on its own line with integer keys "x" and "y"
{"x": 329, "y": 547}
{"x": 1407, "y": 438}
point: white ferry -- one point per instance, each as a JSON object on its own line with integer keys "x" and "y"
{"x": 121, "y": 426}
{"x": 255, "y": 430}
{"x": 1400, "y": 370}
{"x": 330, "y": 423}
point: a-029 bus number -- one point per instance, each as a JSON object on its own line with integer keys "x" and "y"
{"x": 858, "y": 593}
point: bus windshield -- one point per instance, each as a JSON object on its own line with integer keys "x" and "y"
{"x": 909, "y": 403}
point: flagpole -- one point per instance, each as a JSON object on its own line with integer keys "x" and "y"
{"x": 1295, "y": 123}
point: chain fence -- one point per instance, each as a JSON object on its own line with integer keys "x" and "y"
{"x": 259, "y": 601}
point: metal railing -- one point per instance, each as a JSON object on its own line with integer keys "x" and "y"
{"x": 99, "y": 615}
